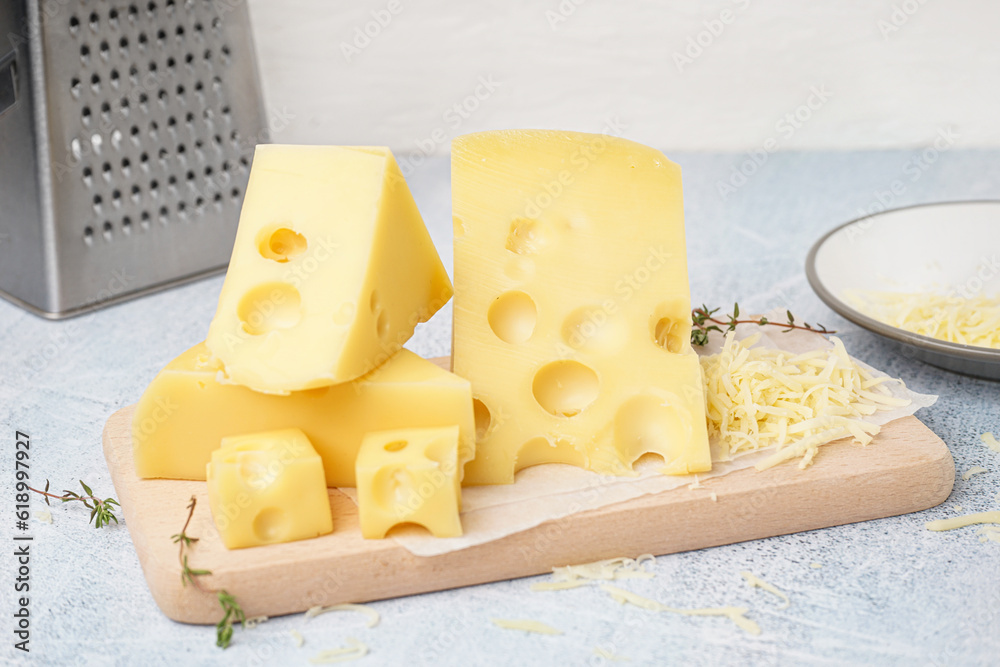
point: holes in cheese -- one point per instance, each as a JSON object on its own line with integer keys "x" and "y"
{"x": 328, "y": 226}
{"x": 512, "y": 317}
{"x": 565, "y": 388}
{"x": 280, "y": 243}
{"x": 650, "y": 424}
{"x": 483, "y": 418}
{"x": 270, "y": 307}
{"x": 267, "y": 487}
{"x": 589, "y": 230}
{"x": 409, "y": 476}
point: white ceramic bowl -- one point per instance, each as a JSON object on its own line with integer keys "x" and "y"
{"x": 929, "y": 247}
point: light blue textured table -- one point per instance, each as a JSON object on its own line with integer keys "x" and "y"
{"x": 889, "y": 592}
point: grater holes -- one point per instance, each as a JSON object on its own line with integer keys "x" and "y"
{"x": 105, "y": 111}
{"x": 199, "y": 205}
{"x": 88, "y": 176}
{"x": 151, "y": 9}
{"x": 74, "y": 25}
{"x": 123, "y": 46}
{"x": 126, "y": 166}
{"x": 94, "y": 21}
{"x": 134, "y": 134}
{"x": 116, "y": 140}
{"x": 189, "y": 121}
{"x": 181, "y": 91}
{"x": 171, "y": 122}
{"x": 162, "y": 96}
{"x": 144, "y": 159}
{"x": 171, "y": 63}
{"x": 113, "y": 18}
{"x": 75, "y": 86}
{"x": 133, "y": 74}
{"x": 190, "y": 177}
{"x": 182, "y": 209}
{"x": 85, "y": 114}
{"x": 235, "y": 193}
{"x": 85, "y": 54}
{"x": 161, "y": 36}
{"x": 106, "y": 171}
{"x": 104, "y": 49}
{"x": 189, "y": 59}
{"x": 115, "y": 78}
{"x": 108, "y": 228}
{"x": 144, "y": 101}
{"x": 95, "y": 82}
{"x": 179, "y": 32}
{"x": 127, "y": 225}
{"x": 116, "y": 197}
{"x": 181, "y": 149}
{"x": 88, "y": 235}
{"x": 144, "y": 219}
{"x": 217, "y": 84}
{"x": 199, "y": 28}
{"x": 226, "y": 54}
{"x": 208, "y": 54}
{"x": 164, "y": 213}
{"x": 162, "y": 155}
{"x": 154, "y": 188}
{"x": 126, "y": 106}
{"x": 136, "y": 193}
{"x": 98, "y": 202}
{"x": 172, "y": 182}
{"x": 143, "y": 40}
{"x": 133, "y": 12}
{"x": 216, "y": 24}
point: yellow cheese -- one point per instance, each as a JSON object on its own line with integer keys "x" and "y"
{"x": 331, "y": 270}
{"x": 268, "y": 487}
{"x": 409, "y": 476}
{"x": 572, "y": 308}
{"x": 526, "y": 625}
{"x": 967, "y": 321}
{"x": 186, "y": 411}
{"x": 736, "y": 614}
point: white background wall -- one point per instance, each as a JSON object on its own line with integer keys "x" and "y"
{"x": 892, "y": 73}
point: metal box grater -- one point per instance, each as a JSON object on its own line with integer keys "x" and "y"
{"x": 126, "y": 133}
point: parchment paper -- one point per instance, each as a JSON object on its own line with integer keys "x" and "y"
{"x": 553, "y": 491}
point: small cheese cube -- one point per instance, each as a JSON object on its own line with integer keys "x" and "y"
{"x": 186, "y": 411}
{"x": 268, "y": 487}
{"x": 410, "y": 476}
{"x": 572, "y": 306}
{"x": 332, "y": 268}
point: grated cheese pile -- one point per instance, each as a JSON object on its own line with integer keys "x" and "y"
{"x": 973, "y": 321}
{"x": 762, "y": 398}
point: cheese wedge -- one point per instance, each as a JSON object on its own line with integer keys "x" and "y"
{"x": 265, "y": 488}
{"x": 409, "y": 476}
{"x": 332, "y": 269}
{"x": 186, "y": 411}
{"x": 572, "y": 307}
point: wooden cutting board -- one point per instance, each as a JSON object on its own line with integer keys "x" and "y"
{"x": 905, "y": 469}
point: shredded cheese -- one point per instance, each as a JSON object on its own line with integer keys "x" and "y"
{"x": 973, "y": 321}
{"x": 989, "y": 533}
{"x": 44, "y": 516}
{"x": 297, "y": 638}
{"x": 372, "y": 615}
{"x": 963, "y": 521}
{"x": 736, "y": 614}
{"x": 253, "y": 622}
{"x": 974, "y": 470}
{"x": 757, "y": 582}
{"x": 608, "y": 655}
{"x": 526, "y": 625}
{"x": 990, "y": 441}
{"x": 815, "y": 566}
{"x": 605, "y": 570}
{"x": 352, "y": 651}
{"x": 760, "y": 398}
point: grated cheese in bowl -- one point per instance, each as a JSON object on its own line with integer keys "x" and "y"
{"x": 967, "y": 321}
{"x": 760, "y": 398}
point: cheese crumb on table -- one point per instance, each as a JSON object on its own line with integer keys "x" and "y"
{"x": 757, "y": 582}
{"x": 736, "y": 614}
{"x": 608, "y": 655}
{"x": 352, "y": 651}
{"x": 44, "y": 516}
{"x": 975, "y": 470}
{"x": 990, "y": 441}
{"x": 254, "y": 621}
{"x": 974, "y": 321}
{"x": 762, "y": 398}
{"x": 963, "y": 521}
{"x": 815, "y": 566}
{"x": 297, "y": 638}
{"x": 526, "y": 625}
{"x": 373, "y": 617}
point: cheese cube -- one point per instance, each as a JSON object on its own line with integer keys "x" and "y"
{"x": 332, "y": 269}
{"x": 409, "y": 476}
{"x": 268, "y": 487}
{"x": 186, "y": 411}
{"x": 572, "y": 306}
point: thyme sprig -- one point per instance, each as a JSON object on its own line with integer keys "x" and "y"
{"x": 102, "y": 511}
{"x": 704, "y": 320}
{"x": 231, "y": 610}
